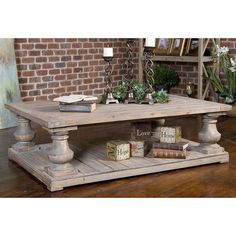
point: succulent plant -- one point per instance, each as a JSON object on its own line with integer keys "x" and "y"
{"x": 161, "y": 96}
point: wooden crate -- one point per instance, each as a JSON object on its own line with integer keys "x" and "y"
{"x": 139, "y": 148}
{"x": 118, "y": 150}
{"x": 141, "y": 130}
{"x": 169, "y": 134}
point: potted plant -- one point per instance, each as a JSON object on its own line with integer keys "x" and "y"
{"x": 120, "y": 92}
{"x": 160, "y": 96}
{"x": 164, "y": 78}
{"x": 139, "y": 91}
{"x": 228, "y": 65}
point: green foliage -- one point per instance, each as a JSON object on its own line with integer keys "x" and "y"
{"x": 165, "y": 75}
{"x": 161, "y": 96}
{"x": 229, "y": 90}
{"x": 120, "y": 92}
{"x": 139, "y": 91}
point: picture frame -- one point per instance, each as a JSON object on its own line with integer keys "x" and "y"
{"x": 191, "y": 47}
{"x": 177, "y": 46}
{"x": 188, "y": 46}
{"x": 163, "y": 46}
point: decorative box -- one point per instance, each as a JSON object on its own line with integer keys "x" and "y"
{"x": 139, "y": 148}
{"x": 169, "y": 134}
{"x": 118, "y": 150}
{"x": 141, "y": 131}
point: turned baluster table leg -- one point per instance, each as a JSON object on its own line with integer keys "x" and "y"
{"x": 23, "y": 135}
{"x": 209, "y": 135}
{"x": 60, "y": 155}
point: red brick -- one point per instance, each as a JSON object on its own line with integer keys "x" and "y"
{"x": 47, "y": 91}
{"x": 41, "y": 86}
{"x": 28, "y": 46}
{"x": 54, "y": 72}
{"x": 71, "y": 76}
{"x": 34, "y": 80}
{"x": 47, "y": 40}
{"x": 71, "y": 52}
{"x": 41, "y": 98}
{"x": 41, "y": 59}
{"x": 88, "y": 92}
{"x": 28, "y": 60}
{"x": 48, "y": 66}
{"x": 53, "y": 46}
{"x": 53, "y": 84}
{"x": 20, "y": 40}
{"x": 71, "y": 88}
{"x": 77, "y": 82}
{"x": 54, "y": 59}
{"x": 41, "y": 72}
{"x": 93, "y": 86}
{"x": 28, "y": 73}
{"x": 87, "y": 45}
{"x": 83, "y": 87}
{"x": 59, "y": 90}
{"x": 34, "y": 40}
{"x": 40, "y": 46}
{"x": 65, "y": 83}
{"x": 60, "y": 77}
{"x": 27, "y": 86}
{"x": 83, "y": 63}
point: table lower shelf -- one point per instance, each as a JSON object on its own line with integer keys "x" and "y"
{"x": 91, "y": 165}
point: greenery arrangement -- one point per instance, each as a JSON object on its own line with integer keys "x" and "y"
{"x": 120, "y": 92}
{"x": 139, "y": 91}
{"x": 161, "y": 96}
{"x": 165, "y": 76}
{"x": 228, "y": 65}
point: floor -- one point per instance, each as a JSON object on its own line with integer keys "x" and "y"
{"x": 215, "y": 180}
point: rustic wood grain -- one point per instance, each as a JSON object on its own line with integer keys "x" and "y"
{"x": 47, "y": 114}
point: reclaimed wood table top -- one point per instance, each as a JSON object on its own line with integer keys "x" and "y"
{"x": 47, "y": 114}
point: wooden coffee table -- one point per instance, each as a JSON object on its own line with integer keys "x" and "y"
{"x": 58, "y": 166}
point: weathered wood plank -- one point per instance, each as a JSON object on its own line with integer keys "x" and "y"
{"x": 48, "y": 115}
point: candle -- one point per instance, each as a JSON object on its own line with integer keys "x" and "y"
{"x": 150, "y": 42}
{"x": 107, "y": 52}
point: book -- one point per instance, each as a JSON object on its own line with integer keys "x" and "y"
{"x": 77, "y": 107}
{"x": 75, "y": 98}
{"x": 173, "y": 146}
{"x": 168, "y": 153}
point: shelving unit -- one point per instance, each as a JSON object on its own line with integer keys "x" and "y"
{"x": 200, "y": 59}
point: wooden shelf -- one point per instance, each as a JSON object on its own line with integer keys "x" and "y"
{"x": 199, "y": 59}
{"x": 182, "y": 58}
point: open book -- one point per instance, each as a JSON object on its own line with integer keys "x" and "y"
{"x": 75, "y": 98}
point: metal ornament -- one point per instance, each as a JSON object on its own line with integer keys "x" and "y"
{"x": 108, "y": 92}
{"x": 148, "y": 54}
{"x": 129, "y": 76}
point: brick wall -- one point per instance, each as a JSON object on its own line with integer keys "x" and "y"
{"x": 50, "y": 67}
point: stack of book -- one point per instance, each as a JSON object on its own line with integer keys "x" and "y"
{"x": 77, "y": 103}
{"x": 170, "y": 150}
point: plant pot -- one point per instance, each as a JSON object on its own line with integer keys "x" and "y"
{"x": 160, "y": 87}
{"x": 232, "y": 113}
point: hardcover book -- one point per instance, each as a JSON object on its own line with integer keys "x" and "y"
{"x": 173, "y": 146}
{"x": 168, "y": 153}
{"x": 77, "y": 107}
